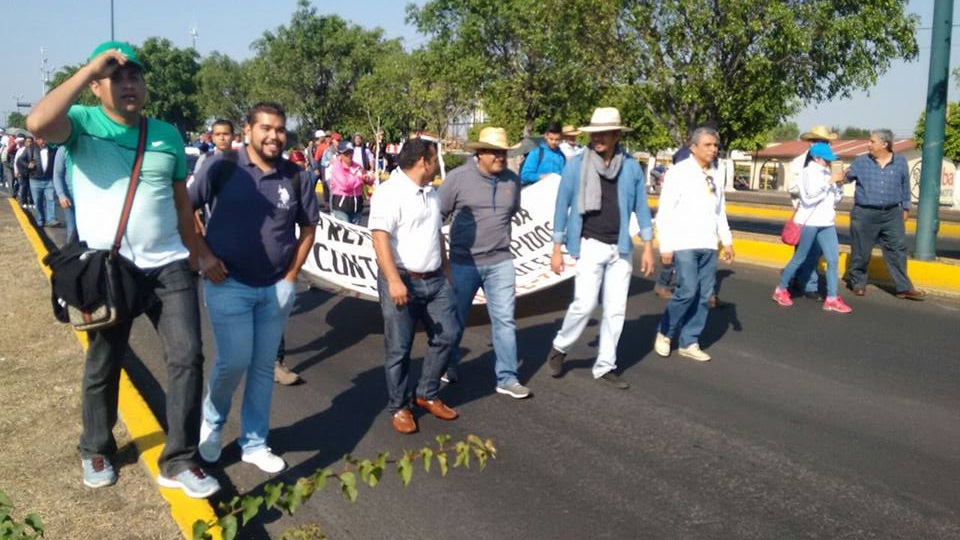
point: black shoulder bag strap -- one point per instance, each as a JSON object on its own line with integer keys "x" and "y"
{"x": 132, "y": 188}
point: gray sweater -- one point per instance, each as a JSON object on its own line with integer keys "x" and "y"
{"x": 482, "y": 208}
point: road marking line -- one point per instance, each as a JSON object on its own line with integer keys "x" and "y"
{"x": 144, "y": 428}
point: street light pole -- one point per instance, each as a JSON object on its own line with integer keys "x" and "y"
{"x": 934, "y": 129}
{"x": 112, "y": 37}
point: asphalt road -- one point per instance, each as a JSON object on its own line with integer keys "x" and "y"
{"x": 806, "y": 425}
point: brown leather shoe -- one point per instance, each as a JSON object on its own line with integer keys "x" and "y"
{"x": 403, "y": 422}
{"x": 912, "y": 294}
{"x": 437, "y": 408}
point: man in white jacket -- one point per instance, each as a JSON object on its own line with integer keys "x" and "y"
{"x": 692, "y": 216}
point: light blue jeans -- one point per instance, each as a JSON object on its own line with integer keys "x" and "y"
{"x": 687, "y": 310}
{"x": 247, "y": 326}
{"x": 498, "y": 282}
{"x": 826, "y": 239}
{"x": 44, "y": 201}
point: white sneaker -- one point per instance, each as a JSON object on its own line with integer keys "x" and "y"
{"x": 693, "y": 351}
{"x": 265, "y": 460}
{"x": 209, "y": 447}
{"x": 662, "y": 345}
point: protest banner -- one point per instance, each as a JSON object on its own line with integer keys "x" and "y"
{"x": 342, "y": 260}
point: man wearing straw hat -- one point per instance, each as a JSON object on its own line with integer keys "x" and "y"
{"x": 569, "y": 146}
{"x": 482, "y": 196}
{"x": 599, "y": 189}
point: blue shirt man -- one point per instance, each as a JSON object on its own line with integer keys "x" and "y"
{"x": 547, "y": 158}
{"x": 256, "y": 202}
{"x": 598, "y": 191}
{"x": 880, "y": 208}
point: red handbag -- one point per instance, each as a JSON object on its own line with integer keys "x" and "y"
{"x": 790, "y": 235}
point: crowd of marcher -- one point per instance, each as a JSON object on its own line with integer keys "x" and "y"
{"x": 246, "y": 220}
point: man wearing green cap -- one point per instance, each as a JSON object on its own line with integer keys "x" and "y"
{"x": 102, "y": 141}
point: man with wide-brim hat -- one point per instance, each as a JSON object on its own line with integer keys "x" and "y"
{"x": 481, "y": 197}
{"x": 570, "y": 147}
{"x": 599, "y": 189}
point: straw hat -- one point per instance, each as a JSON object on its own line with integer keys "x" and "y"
{"x": 605, "y": 119}
{"x": 491, "y": 138}
{"x": 570, "y": 131}
{"x": 818, "y": 133}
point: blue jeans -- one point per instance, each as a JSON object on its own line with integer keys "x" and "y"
{"x": 45, "y": 201}
{"x": 69, "y": 221}
{"x": 807, "y": 271}
{"x": 176, "y": 318}
{"x": 687, "y": 310}
{"x": 247, "y": 326}
{"x": 349, "y": 217}
{"x": 432, "y": 302}
{"x": 826, "y": 239}
{"x": 499, "y": 287}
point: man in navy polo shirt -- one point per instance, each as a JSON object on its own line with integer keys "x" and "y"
{"x": 256, "y": 200}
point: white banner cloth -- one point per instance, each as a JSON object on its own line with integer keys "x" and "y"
{"x": 342, "y": 260}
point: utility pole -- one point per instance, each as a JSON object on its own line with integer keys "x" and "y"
{"x": 194, "y": 34}
{"x": 44, "y": 72}
{"x": 112, "y": 36}
{"x": 928, "y": 221}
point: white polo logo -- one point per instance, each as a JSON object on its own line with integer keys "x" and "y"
{"x": 283, "y": 198}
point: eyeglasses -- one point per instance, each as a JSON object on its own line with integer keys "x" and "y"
{"x": 711, "y": 185}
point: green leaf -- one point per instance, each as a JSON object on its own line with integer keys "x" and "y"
{"x": 348, "y": 485}
{"x": 200, "y": 529}
{"x": 251, "y": 506}
{"x": 273, "y": 492}
{"x": 320, "y": 479}
{"x": 5, "y": 501}
{"x": 405, "y": 469}
{"x": 427, "y": 454}
{"x": 35, "y": 522}
{"x": 442, "y": 463}
{"x": 229, "y": 526}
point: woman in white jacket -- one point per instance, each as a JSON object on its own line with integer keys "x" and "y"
{"x": 820, "y": 191}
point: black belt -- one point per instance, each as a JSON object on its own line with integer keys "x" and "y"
{"x": 877, "y": 207}
{"x": 419, "y": 275}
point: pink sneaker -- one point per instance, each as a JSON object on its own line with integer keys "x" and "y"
{"x": 782, "y": 297}
{"x": 836, "y": 304}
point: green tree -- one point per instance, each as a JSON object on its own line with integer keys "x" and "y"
{"x": 16, "y": 119}
{"x": 171, "y": 76}
{"x": 784, "y": 132}
{"x": 536, "y": 61}
{"x": 223, "y": 88}
{"x": 851, "y": 132}
{"x": 748, "y": 64}
{"x": 312, "y": 66}
{"x": 951, "y": 139}
{"x": 86, "y": 96}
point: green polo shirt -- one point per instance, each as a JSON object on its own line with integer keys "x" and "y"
{"x": 101, "y": 158}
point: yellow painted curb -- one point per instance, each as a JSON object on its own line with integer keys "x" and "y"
{"x": 143, "y": 427}
{"x": 948, "y": 229}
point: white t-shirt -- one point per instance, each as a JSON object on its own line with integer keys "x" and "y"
{"x": 411, "y": 215}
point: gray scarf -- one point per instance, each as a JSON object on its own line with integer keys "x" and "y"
{"x": 591, "y": 170}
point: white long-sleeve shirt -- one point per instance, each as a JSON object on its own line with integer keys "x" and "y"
{"x": 692, "y": 212}
{"x": 819, "y": 196}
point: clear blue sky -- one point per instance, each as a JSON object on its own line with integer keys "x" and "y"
{"x": 68, "y": 30}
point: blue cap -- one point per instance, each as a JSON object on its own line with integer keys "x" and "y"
{"x": 823, "y": 151}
